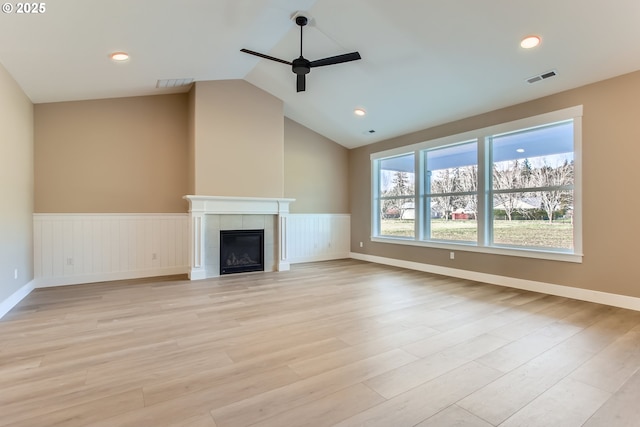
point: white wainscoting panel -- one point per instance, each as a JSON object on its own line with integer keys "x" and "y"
{"x": 83, "y": 248}
{"x": 318, "y": 237}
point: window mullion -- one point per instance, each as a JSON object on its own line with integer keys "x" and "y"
{"x": 535, "y": 189}
{"x": 426, "y": 207}
{"x": 455, "y": 193}
{"x": 484, "y": 184}
{"x": 377, "y": 203}
{"x": 418, "y": 196}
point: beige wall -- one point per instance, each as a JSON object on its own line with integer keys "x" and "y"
{"x": 315, "y": 171}
{"x": 124, "y": 155}
{"x": 16, "y": 186}
{"x": 238, "y": 140}
{"x": 191, "y": 142}
{"x": 142, "y": 154}
{"x": 611, "y": 148}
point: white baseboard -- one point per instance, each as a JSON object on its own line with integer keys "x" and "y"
{"x": 615, "y": 300}
{"x": 317, "y": 258}
{"x": 94, "y": 278}
{"x": 15, "y": 298}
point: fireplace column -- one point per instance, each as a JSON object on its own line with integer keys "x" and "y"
{"x": 196, "y": 246}
{"x": 283, "y": 260}
{"x": 199, "y": 206}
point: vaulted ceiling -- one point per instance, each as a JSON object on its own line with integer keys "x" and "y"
{"x": 424, "y": 62}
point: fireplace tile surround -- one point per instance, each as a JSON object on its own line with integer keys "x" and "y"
{"x": 210, "y": 214}
{"x": 215, "y": 223}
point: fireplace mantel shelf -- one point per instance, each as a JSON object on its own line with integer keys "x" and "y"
{"x": 237, "y": 205}
{"x": 200, "y": 206}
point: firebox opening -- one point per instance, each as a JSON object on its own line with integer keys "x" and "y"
{"x": 241, "y": 251}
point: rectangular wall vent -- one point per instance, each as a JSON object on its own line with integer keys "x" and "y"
{"x": 542, "y": 76}
{"x": 173, "y": 83}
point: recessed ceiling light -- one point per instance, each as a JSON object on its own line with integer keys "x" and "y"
{"x": 530, "y": 42}
{"x": 119, "y": 56}
{"x": 359, "y": 112}
{"x": 520, "y": 150}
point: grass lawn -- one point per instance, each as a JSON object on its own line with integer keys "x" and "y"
{"x": 522, "y": 233}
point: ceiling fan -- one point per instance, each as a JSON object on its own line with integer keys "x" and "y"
{"x": 302, "y": 66}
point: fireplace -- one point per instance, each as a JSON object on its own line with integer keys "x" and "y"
{"x": 214, "y": 213}
{"x": 241, "y": 251}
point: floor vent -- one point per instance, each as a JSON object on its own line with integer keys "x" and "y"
{"x": 173, "y": 83}
{"x": 542, "y": 76}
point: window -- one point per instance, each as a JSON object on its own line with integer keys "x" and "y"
{"x": 451, "y": 191}
{"x": 395, "y": 203}
{"x": 532, "y": 187}
{"x": 511, "y": 189}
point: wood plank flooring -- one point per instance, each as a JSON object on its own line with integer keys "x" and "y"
{"x": 344, "y": 343}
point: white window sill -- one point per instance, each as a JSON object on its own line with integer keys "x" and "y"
{"x": 469, "y": 247}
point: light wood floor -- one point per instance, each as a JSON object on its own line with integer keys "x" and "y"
{"x": 336, "y": 343}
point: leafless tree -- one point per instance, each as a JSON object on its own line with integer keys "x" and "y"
{"x": 508, "y": 176}
{"x": 468, "y": 183}
{"x": 552, "y": 200}
{"x": 443, "y": 181}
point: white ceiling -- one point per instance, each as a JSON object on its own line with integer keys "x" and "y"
{"x": 424, "y": 62}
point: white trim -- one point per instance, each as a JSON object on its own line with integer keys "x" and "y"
{"x": 15, "y": 298}
{"x": 493, "y": 250}
{"x": 106, "y": 277}
{"x": 108, "y": 214}
{"x": 238, "y": 205}
{"x": 319, "y": 258}
{"x": 480, "y": 136}
{"x": 521, "y": 124}
{"x": 577, "y": 189}
{"x": 197, "y": 274}
{"x": 320, "y": 215}
{"x": 224, "y": 205}
{"x": 615, "y": 300}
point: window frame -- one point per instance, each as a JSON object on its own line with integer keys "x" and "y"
{"x": 428, "y": 195}
{"x": 484, "y": 194}
{"x": 378, "y": 199}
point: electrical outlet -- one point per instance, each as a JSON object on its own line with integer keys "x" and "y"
{"x": 15, "y": 273}
{"x": 452, "y": 255}
{"x": 360, "y": 244}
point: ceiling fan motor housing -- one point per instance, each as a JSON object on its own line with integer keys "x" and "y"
{"x": 301, "y": 66}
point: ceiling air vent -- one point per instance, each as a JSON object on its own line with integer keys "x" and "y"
{"x": 173, "y": 83}
{"x": 542, "y": 76}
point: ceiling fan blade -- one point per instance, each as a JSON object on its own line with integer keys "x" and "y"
{"x": 262, "y": 55}
{"x": 353, "y": 56}
{"x": 301, "y": 83}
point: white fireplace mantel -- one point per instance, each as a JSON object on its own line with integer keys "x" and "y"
{"x": 199, "y": 206}
{"x": 238, "y": 205}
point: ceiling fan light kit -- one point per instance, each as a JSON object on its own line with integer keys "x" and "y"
{"x": 301, "y": 66}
